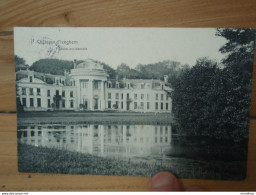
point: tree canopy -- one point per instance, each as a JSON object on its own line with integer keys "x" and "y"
{"x": 213, "y": 101}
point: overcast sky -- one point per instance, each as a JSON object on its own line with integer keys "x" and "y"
{"x": 114, "y": 46}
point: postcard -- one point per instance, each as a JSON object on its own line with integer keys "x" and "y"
{"x": 134, "y": 101}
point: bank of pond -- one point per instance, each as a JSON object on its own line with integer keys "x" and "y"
{"x": 180, "y": 162}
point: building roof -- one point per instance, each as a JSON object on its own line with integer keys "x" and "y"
{"x": 89, "y": 64}
{"x": 35, "y": 80}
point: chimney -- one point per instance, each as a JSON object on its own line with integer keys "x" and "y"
{"x": 166, "y": 78}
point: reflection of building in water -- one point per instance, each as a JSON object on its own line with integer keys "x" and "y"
{"x": 101, "y": 140}
{"x": 87, "y": 87}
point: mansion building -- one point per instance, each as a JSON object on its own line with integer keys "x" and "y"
{"x": 87, "y": 87}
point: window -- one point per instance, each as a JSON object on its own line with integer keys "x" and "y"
{"x": 96, "y": 85}
{"x": 117, "y": 104}
{"x": 162, "y": 105}
{"x": 57, "y": 82}
{"x": 142, "y": 86}
{"x": 23, "y": 91}
{"x": 31, "y": 102}
{"x": 156, "y": 96}
{"x": 31, "y": 91}
{"x": 63, "y": 93}
{"x": 156, "y": 106}
{"x": 85, "y": 84}
{"x": 135, "y": 105}
{"x": 166, "y": 130}
{"x": 147, "y": 96}
{"x": 147, "y": 105}
{"x": 155, "y": 130}
{"x": 32, "y": 133}
{"x": 24, "y": 102}
{"x": 48, "y": 93}
{"x": 122, "y": 96}
{"x": 38, "y": 102}
{"x": 127, "y": 96}
{"x": 122, "y": 105}
{"x": 71, "y": 94}
{"x": 162, "y": 96}
{"x": 161, "y": 130}
{"x": 109, "y": 104}
{"x": 142, "y": 105}
{"x": 63, "y": 103}
{"x": 155, "y": 139}
{"x": 38, "y": 91}
{"x": 109, "y": 95}
{"x": 49, "y": 103}
{"x": 31, "y": 79}
{"x": 166, "y": 106}
{"x": 135, "y": 96}
{"x": 142, "y": 96}
{"x": 71, "y": 104}
{"x": 166, "y": 97}
{"x": 117, "y": 95}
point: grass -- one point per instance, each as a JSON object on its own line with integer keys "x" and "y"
{"x": 49, "y": 160}
{"x": 96, "y": 118}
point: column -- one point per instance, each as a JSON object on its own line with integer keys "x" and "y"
{"x": 125, "y": 100}
{"x": 102, "y": 97}
{"x": 78, "y": 98}
{"x": 90, "y": 86}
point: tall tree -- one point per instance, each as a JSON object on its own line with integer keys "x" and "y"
{"x": 211, "y": 101}
{"x": 18, "y": 60}
{"x": 239, "y": 47}
{"x": 123, "y": 71}
{"x": 194, "y": 98}
{"x": 238, "y": 63}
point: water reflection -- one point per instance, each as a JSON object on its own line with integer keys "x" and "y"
{"x": 117, "y": 141}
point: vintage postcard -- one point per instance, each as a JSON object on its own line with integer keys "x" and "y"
{"x": 134, "y": 101}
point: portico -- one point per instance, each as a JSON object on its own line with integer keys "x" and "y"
{"x": 90, "y": 79}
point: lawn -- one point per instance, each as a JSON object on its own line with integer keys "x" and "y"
{"x": 96, "y": 118}
{"x": 52, "y": 160}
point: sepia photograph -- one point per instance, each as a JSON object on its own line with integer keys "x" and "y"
{"x": 134, "y": 101}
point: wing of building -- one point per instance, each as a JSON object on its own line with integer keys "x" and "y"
{"x": 87, "y": 87}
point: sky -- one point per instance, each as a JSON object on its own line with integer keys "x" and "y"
{"x": 114, "y": 46}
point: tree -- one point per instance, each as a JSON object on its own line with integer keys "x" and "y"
{"x": 18, "y": 60}
{"x": 238, "y": 73}
{"x": 123, "y": 71}
{"x": 20, "y": 63}
{"x": 52, "y": 66}
{"x": 194, "y": 98}
{"x": 213, "y": 101}
{"x": 239, "y": 46}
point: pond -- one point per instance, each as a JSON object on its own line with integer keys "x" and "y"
{"x": 112, "y": 141}
{"x": 122, "y": 149}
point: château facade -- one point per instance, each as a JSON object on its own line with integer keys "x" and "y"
{"x": 87, "y": 87}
